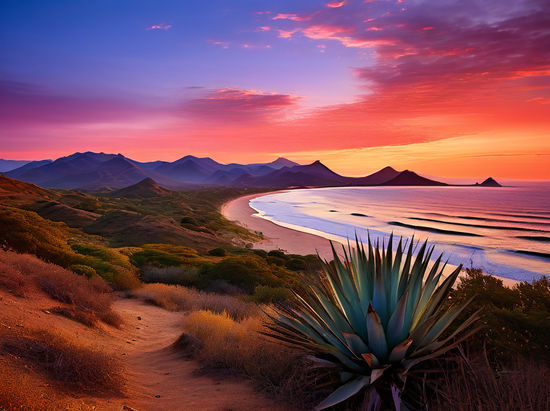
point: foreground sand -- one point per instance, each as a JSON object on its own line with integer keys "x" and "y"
{"x": 157, "y": 377}
{"x": 286, "y": 239}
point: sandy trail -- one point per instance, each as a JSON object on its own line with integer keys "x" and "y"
{"x": 158, "y": 378}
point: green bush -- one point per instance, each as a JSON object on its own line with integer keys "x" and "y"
{"x": 245, "y": 272}
{"x": 515, "y": 319}
{"x": 267, "y": 295}
{"x": 296, "y": 264}
{"x": 155, "y": 258}
{"x": 83, "y": 270}
{"x": 27, "y": 232}
{"x": 276, "y": 253}
{"x": 261, "y": 253}
{"x": 276, "y": 260}
{"x": 217, "y": 252}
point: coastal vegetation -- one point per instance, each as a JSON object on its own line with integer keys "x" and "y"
{"x": 177, "y": 252}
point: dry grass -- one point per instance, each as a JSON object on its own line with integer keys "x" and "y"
{"x": 85, "y": 298}
{"x": 523, "y": 385}
{"x": 276, "y": 369}
{"x": 30, "y": 356}
{"x": 176, "y": 298}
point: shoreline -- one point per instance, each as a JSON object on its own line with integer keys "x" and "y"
{"x": 285, "y": 237}
{"x": 275, "y": 236}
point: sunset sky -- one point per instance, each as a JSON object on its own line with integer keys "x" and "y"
{"x": 451, "y": 88}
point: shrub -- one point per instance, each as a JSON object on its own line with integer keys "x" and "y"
{"x": 77, "y": 367}
{"x": 155, "y": 258}
{"x": 274, "y": 368}
{"x": 217, "y": 252}
{"x": 83, "y": 270}
{"x": 92, "y": 297}
{"x": 27, "y": 232}
{"x": 276, "y": 260}
{"x": 296, "y": 264}
{"x": 176, "y": 298}
{"x": 267, "y": 295}
{"x": 126, "y": 280}
{"x": 261, "y": 253}
{"x": 515, "y": 320}
{"x": 186, "y": 276}
{"x": 473, "y": 386}
{"x": 245, "y": 272}
{"x": 276, "y": 253}
{"x": 12, "y": 279}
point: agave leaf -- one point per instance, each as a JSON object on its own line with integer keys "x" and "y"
{"x": 441, "y": 325}
{"x": 396, "y": 330}
{"x": 356, "y": 344}
{"x": 411, "y": 363}
{"x": 371, "y": 360}
{"x": 344, "y": 392}
{"x": 400, "y": 351}
{"x": 376, "y": 334}
{"x": 377, "y": 373}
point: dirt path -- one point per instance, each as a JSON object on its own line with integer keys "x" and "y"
{"x": 159, "y": 379}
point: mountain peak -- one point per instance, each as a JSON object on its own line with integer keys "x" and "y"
{"x": 490, "y": 182}
{"x": 410, "y": 178}
{"x": 144, "y": 189}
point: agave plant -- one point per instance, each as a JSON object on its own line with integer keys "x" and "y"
{"x": 373, "y": 316}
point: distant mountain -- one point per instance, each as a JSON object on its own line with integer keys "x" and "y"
{"x": 89, "y": 171}
{"x": 315, "y": 174}
{"x": 8, "y": 165}
{"x": 410, "y": 178}
{"x": 17, "y": 172}
{"x": 144, "y": 189}
{"x": 489, "y": 182}
{"x": 379, "y": 177}
{"x": 99, "y": 171}
{"x": 189, "y": 169}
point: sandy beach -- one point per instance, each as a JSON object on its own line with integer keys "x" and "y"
{"x": 285, "y": 238}
{"x": 275, "y": 237}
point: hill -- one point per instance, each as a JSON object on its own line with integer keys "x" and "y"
{"x": 144, "y": 189}
{"x": 16, "y": 191}
{"x": 410, "y": 178}
{"x": 489, "y": 182}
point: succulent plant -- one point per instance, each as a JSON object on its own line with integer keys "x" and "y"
{"x": 373, "y": 316}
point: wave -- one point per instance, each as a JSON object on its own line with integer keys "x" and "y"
{"x": 534, "y": 238}
{"x": 523, "y": 215}
{"x": 496, "y": 220}
{"x": 433, "y": 229}
{"x": 479, "y": 225}
{"x": 359, "y": 215}
{"x": 533, "y": 253}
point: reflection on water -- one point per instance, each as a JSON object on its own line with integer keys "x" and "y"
{"x": 505, "y": 231}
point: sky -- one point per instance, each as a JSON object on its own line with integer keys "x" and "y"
{"x": 450, "y": 88}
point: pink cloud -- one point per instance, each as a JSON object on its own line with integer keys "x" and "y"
{"x": 293, "y": 17}
{"x": 222, "y": 44}
{"x": 231, "y": 104}
{"x": 161, "y": 26}
{"x": 336, "y": 4}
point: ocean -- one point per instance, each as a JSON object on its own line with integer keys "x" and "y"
{"x": 504, "y": 231}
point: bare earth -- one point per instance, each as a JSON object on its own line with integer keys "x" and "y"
{"x": 157, "y": 377}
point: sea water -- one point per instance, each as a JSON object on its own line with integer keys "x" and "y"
{"x": 504, "y": 231}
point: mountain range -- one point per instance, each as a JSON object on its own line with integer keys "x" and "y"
{"x": 100, "y": 171}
